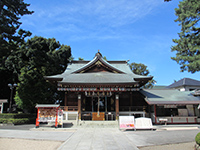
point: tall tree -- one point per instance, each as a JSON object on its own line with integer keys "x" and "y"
{"x": 39, "y": 57}
{"x": 141, "y": 69}
{"x": 10, "y": 33}
{"x": 187, "y": 47}
{"x": 11, "y": 36}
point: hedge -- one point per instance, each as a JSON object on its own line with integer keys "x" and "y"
{"x": 15, "y": 115}
{"x": 12, "y": 118}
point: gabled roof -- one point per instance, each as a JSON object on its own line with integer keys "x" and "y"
{"x": 97, "y": 61}
{"x": 169, "y": 97}
{"x": 184, "y": 82}
{"x": 86, "y": 73}
{"x": 47, "y": 106}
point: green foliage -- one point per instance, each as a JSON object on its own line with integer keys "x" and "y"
{"x": 39, "y": 57}
{"x": 187, "y": 47}
{"x": 141, "y": 69}
{"x": 17, "y": 118}
{"x": 197, "y": 138}
{"x": 104, "y": 57}
{"x": 17, "y": 115}
{"x": 17, "y": 121}
{"x": 27, "y": 62}
{"x": 11, "y": 36}
{"x": 81, "y": 59}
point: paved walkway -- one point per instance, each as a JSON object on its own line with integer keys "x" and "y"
{"x": 98, "y": 139}
{"x": 102, "y": 138}
{"x": 36, "y": 135}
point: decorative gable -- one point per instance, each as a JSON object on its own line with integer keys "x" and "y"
{"x": 98, "y": 64}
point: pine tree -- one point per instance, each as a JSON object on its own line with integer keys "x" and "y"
{"x": 187, "y": 47}
{"x": 141, "y": 69}
{"x": 10, "y": 33}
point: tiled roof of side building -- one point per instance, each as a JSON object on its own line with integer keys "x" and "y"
{"x": 184, "y": 82}
{"x": 169, "y": 96}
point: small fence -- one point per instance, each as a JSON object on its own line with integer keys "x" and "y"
{"x": 69, "y": 108}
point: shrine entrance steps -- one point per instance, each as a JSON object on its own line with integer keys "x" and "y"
{"x": 91, "y": 124}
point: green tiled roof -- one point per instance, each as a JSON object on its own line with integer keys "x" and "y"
{"x": 124, "y": 76}
{"x": 169, "y": 97}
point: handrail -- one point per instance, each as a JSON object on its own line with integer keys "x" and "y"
{"x": 69, "y": 108}
{"x": 132, "y": 108}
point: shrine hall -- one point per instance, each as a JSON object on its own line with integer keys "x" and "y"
{"x": 104, "y": 90}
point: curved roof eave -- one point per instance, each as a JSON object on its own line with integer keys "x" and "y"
{"x": 92, "y": 62}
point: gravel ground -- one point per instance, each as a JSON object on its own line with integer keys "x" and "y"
{"x": 180, "y": 146}
{"x": 23, "y": 144}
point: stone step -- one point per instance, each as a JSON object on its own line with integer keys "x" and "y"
{"x": 103, "y": 124}
{"x": 90, "y": 124}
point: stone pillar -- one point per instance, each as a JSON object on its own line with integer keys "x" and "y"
{"x": 79, "y": 106}
{"x": 117, "y": 106}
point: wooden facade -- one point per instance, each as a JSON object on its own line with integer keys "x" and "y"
{"x": 100, "y": 89}
{"x": 104, "y": 90}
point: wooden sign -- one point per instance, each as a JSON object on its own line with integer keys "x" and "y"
{"x": 47, "y": 115}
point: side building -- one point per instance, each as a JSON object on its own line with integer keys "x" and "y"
{"x": 104, "y": 90}
{"x": 185, "y": 84}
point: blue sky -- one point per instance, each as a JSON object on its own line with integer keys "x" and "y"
{"x": 137, "y": 30}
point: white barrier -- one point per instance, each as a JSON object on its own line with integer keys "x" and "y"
{"x": 143, "y": 123}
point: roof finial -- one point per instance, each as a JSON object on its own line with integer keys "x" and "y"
{"x": 98, "y": 54}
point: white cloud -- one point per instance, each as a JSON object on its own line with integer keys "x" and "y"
{"x": 96, "y": 18}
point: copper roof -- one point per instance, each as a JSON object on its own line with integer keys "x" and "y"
{"x": 118, "y": 72}
{"x": 169, "y": 97}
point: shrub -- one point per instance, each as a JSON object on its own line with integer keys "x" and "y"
{"x": 197, "y": 138}
{"x": 15, "y": 115}
{"x": 14, "y": 118}
{"x": 17, "y": 121}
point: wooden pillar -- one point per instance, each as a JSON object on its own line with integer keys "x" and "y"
{"x": 79, "y": 106}
{"x": 155, "y": 114}
{"x": 131, "y": 102}
{"x": 117, "y": 106}
{"x": 65, "y": 99}
{"x": 106, "y": 105}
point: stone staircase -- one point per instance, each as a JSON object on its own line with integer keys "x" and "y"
{"x": 90, "y": 124}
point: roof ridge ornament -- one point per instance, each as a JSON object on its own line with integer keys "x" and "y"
{"x": 98, "y": 53}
